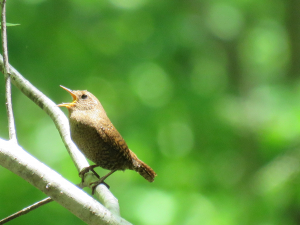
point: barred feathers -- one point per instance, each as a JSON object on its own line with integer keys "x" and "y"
{"x": 142, "y": 168}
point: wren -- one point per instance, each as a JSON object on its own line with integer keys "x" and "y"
{"x": 98, "y": 139}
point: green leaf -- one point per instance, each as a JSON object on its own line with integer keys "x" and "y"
{"x": 10, "y": 24}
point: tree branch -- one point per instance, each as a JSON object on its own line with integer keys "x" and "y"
{"x": 59, "y": 119}
{"x": 62, "y": 124}
{"x": 26, "y": 210}
{"x": 6, "y": 72}
{"x": 14, "y": 158}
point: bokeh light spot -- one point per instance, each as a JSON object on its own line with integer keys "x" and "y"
{"x": 277, "y": 173}
{"x": 176, "y": 139}
{"x": 265, "y": 51}
{"x": 151, "y": 84}
{"x": 47, "y": 143}
{"x": 155, "y": 207}
{"x": 225, "y": 21}
{"x": 201, "y": 211}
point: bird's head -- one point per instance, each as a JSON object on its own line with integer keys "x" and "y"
{"x": 82, "y": 100}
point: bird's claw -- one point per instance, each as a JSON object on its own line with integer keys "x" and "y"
{"x": 86, "y": 170}
{"x": 96, "y": 183}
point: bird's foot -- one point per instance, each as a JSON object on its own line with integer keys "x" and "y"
{"x": 101, "y": 180}
{"x": 96, "y": 183}
{"x": 86, "y": 170}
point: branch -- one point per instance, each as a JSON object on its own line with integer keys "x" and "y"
{"x": 60, "y": 120}
{"x": 26, "y": 210}
{"x": 57, "y": 116}
{"x": 6, "y": 72}
{"x": 14, "y": 158}
{"x": 62, "y": 124}
{"x": 48, "y": 200}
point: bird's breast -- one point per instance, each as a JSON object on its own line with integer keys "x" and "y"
{"x": 100, "y": 142}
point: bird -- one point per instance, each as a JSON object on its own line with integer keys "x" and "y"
{"x": 98, "y": 139}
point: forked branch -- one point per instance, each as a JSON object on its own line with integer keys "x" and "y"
{"x": 11, "y": 152}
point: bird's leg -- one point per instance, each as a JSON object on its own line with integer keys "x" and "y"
{"x": 95, "y": 184}
{"x": 91, "y": 168}
{"x": 86, "y": 170}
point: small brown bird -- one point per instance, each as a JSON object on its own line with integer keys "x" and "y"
{"x": 99, "y": 140}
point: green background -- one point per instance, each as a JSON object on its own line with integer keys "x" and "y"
{"x": 205, "y": 92}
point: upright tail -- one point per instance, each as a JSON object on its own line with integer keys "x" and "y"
{"x": 142, "y": 168}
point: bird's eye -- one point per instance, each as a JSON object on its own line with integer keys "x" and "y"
{"x": 84, "y": 96}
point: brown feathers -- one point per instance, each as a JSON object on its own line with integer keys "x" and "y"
{"x": 98, "y": 139}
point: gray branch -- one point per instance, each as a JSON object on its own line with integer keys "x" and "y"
{"x": 14, "y": 158}
{"x": 6, "y": 72}
{"x": 62, "y": 124}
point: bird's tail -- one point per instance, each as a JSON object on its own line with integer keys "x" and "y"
{"x": 146, "y": 171}
{"x": 143, "y": 169}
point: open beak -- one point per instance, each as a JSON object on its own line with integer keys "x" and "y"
{"x": 68, "y": 105}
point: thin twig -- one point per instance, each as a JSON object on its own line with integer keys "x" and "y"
{"x": 26, "y": 210}
{"x": 6, "y": 72}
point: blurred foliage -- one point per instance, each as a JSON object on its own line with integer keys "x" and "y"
{"x": 205, "y": 92}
